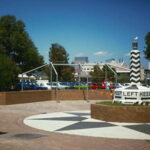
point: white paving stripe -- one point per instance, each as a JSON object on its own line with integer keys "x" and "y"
{"x": 44, "y": 122}
{"x": 124, "y": 123}
{"x": 110, "y": 132}
{"x": 51, "y": 115}
{"x": 48, "y": 125}
{"x": 89, "y": 119}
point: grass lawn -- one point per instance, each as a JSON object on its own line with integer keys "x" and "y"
{"x": 118, "y": 104}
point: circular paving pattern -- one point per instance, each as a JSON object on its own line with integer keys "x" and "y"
{"x": 80, "y": 123}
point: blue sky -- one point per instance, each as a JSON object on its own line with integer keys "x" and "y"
{"x": 99, "y": 29}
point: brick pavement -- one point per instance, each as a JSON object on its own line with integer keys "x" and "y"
{"x": 22, "y": 137}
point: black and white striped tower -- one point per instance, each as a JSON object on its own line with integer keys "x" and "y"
{"x": 135, "y": 63}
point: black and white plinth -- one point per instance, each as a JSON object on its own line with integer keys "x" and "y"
{"x": 135, "y": 92}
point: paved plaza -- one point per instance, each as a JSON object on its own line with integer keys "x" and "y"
{"x": 80, "y": 123}
{"x": 66, "y": 126}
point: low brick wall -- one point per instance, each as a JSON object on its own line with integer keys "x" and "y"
{"x": 7, "y": 98}
{"x": 100, "y": 95}
{"x": 71, "y": 95}
{"x": 136, "y": 114}
{"x": 18, "y": 97}
{"x": 83, "y": 95}
{"x": 2, "y": 98}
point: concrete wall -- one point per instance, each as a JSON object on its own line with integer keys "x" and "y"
{"x": 7, "y": 98}
{"x": 137, "y": 114}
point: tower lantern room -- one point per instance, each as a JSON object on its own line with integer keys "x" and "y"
{"x": 135, "y": 44}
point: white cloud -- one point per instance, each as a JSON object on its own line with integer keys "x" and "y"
{"x": 101, "y": 53}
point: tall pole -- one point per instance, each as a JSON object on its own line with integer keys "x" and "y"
{"x": 79, "y": 75}
{"x": 51, "y": 76}
{"x": 87, "y": 90}
{"x": 105, "y": 72}
{"x": 56, "y": 81}
{"x": 112, "y": 71}
{"x": 22, "y": 82}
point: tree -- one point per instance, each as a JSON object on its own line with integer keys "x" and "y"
{"x": 59, "y": 55}
{"x": 109, "y": 75}
{"x": 98, "y": 75}
{"x": 17, "y": 51}
{"x": 8, "y": 73}
{"x": 147, "y": 42}
{"x": 68, "y": 74}
{"x": 17, "y": 45}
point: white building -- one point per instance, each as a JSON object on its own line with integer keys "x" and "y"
{"x": 122, "y": 69}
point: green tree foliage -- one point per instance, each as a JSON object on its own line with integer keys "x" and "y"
{"x": 98, "y": 75}
{"x": 17, "y": 45}
{"x": 68, "y": 74}
{"x": 147, "y": 42}
{"x": 8, "y": 73}
{"x": 109, "y": 75}
{"x": 59, "y": 55}
{"x": 124, "y": 80}
{"x": 16, "y": 49}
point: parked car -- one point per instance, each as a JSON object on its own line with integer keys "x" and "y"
{"x": 44, "y": 83}
{"x": 28, "y": 85}
{"x": 35, "y": 86}
{"x": 94, "y": 86}
{"x": 55, "y": 85}
{"x": 101, "y": 85}
{"x": 126, "y": 84}
{"x": 112, "y": 86}
{"x": 69, "y": 84}
{"x": 25, "y": 85}
{"x": 90, "y": 85}
{"x": 118, "y": 85}
{"x": 80, "y": 85}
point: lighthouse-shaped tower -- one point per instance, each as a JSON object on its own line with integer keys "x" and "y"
{"x": 135, "y": 92}
{"x": 135, "y": 63}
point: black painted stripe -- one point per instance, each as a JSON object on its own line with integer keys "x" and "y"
{"x": 135, "y": 81}
{"x": 134, "y": 67}
{"x": 135, "y": 72}
{"x": 133, "y": 62}
{"x": 135, "y": 53}
{"x": 135, "y": 78}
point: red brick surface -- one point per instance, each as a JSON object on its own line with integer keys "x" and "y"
{"x": 7, "y": 98}
{"x": 138, "y": 114}
{"x": 2, "y": 98}
{"x": 11, "y": 121}
{"x": 25, "y": 97}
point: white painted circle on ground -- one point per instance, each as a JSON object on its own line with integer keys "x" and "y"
{"x": 80, "y": 123}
